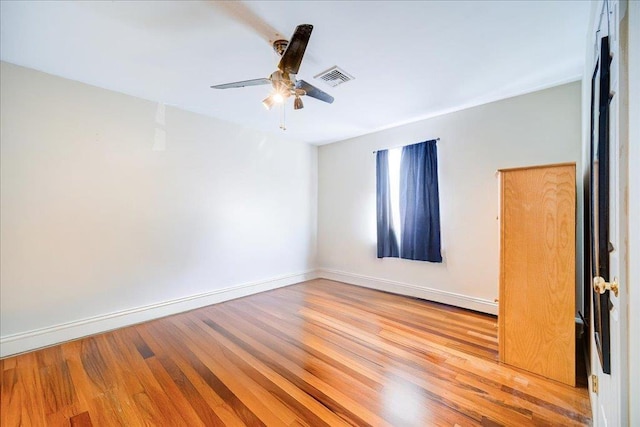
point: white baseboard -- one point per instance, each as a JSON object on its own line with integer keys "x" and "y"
{"x": 44, "y": 337}
{"x": 458, "y": 300}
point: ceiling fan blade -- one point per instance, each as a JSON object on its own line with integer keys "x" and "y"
{"x": 254, "y": 82}
{"x": 292, "y": 57}
{"x": 244, "y": 15}
{"x": 314, "y": 92}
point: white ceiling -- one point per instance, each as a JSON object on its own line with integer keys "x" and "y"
{"x": 410, "y": 59}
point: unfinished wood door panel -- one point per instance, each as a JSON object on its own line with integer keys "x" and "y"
{"x": 537, "y": 286}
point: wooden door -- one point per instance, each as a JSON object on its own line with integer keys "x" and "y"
{"x": 537, "y": 283}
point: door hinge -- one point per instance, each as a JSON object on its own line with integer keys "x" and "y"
{"x": 594, "y": 383}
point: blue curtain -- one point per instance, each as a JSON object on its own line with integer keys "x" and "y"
{"x": 419, "y": 203}
{"x": 387, "y": 240}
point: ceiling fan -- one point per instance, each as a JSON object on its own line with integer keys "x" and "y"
{"x": 284, "y": 80}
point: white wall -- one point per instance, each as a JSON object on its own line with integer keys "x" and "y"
{"x": 537, "y": 128}
{"x": 99, "y": 230}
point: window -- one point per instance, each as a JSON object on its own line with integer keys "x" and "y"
{"x": 408, "y": 208}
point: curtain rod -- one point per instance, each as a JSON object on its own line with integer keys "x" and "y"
{"x": 398, "y": 146}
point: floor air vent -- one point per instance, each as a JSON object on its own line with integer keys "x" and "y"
{"x": 334, "y": 76}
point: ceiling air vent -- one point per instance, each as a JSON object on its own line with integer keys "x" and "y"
{"x": 334, "y": 76}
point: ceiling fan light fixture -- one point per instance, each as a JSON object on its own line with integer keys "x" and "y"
{"x": 268, "y": 102}
{"x": 277, "y": 98}
{"x": 297, "y": 103}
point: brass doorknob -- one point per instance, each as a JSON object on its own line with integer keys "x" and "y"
{"x": 600, "y": 285}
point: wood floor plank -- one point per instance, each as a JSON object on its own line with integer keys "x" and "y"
{"x": 349, "y": 358}
{"x": 86, "y": 391}
{"x": 124, "y": 386}
{"x": 148, "y": 395}
{"x": 336, "y": 400}
{"x": 320, "y": 353}
{"x": 208, "y": 405}
{"x": 83, "y": 419}
{"x": 59, "y": 391}
{"x": 309, "y": 410}
{"x": 234, "y": 385}
{"x": 10, "y": 400}
{"x": 23, "y": 400}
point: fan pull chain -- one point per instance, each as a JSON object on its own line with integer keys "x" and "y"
{"x": 283, "y": 125}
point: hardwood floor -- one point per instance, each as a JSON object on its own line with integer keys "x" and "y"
{"x": 319, "y": 353}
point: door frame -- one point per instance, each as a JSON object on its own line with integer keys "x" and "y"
{"x": 633, "y": 266}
